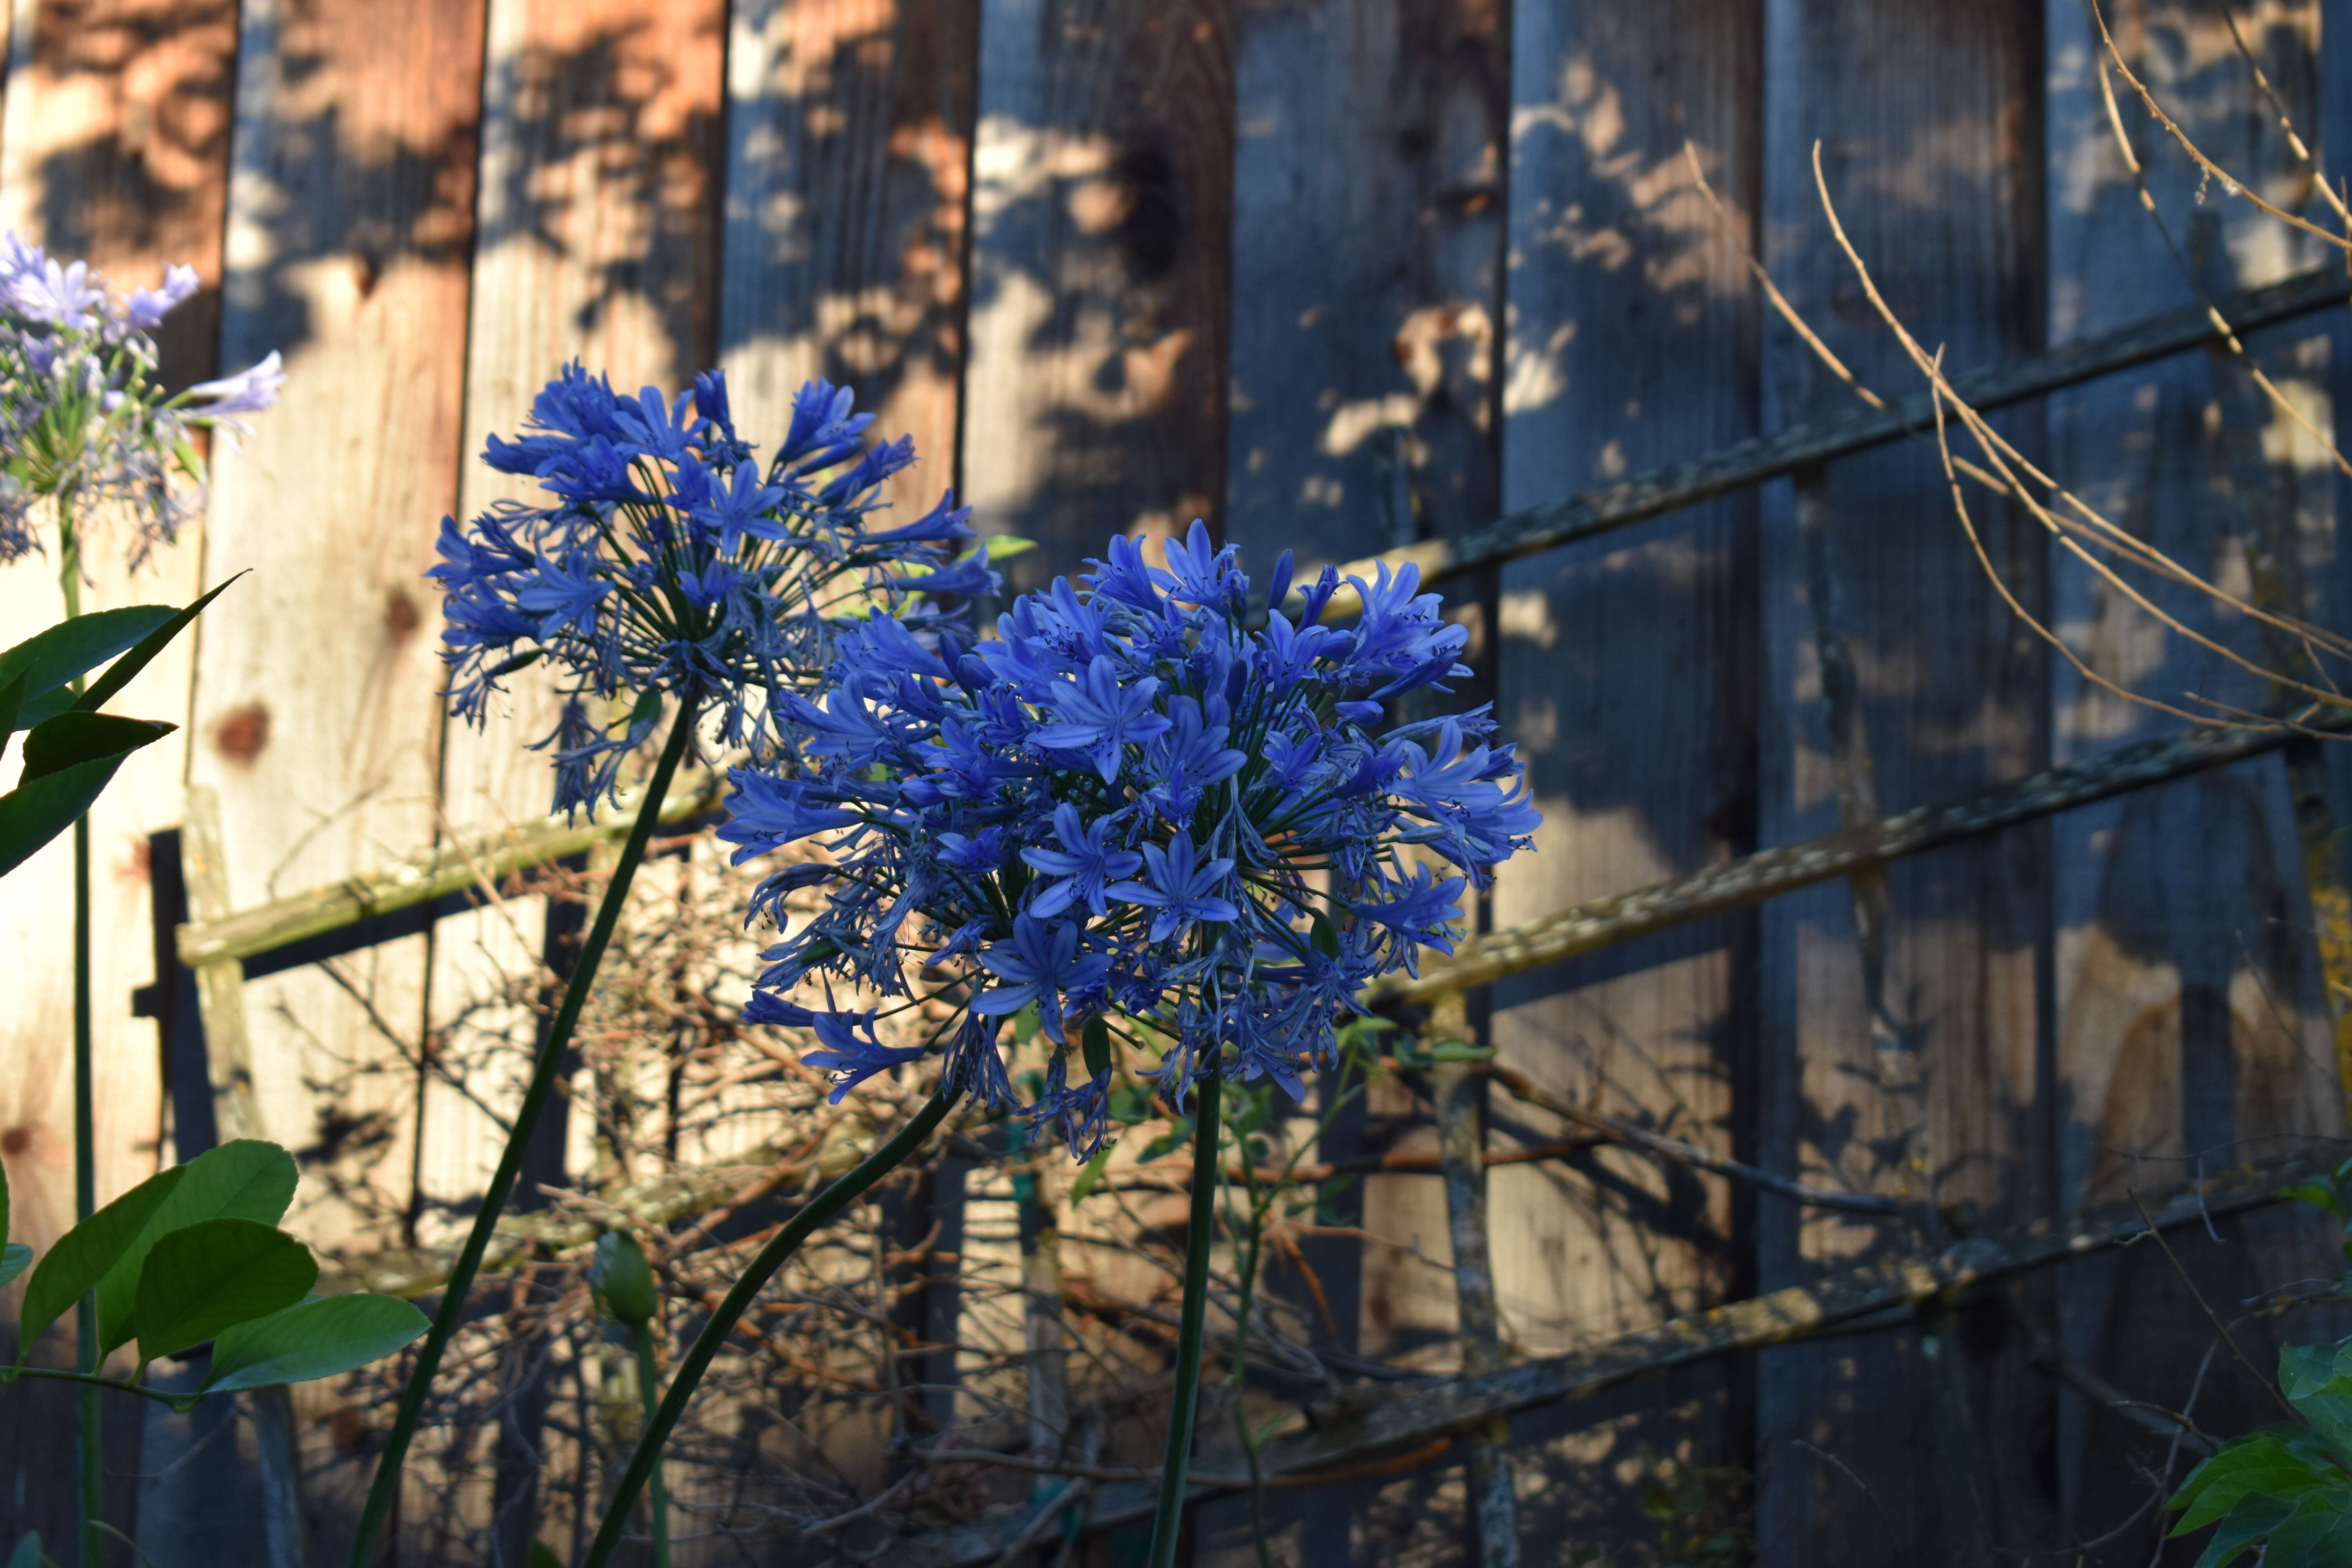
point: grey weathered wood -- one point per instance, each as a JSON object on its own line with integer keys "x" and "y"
{"x": 1623, "y": 677}
{"x": 2186, "y": 1005}
{"x": 848, "y": 163}
{"x": 237, "y": 1113}
{"x": 1462, "y": 1138}
{"x": 1095, "y": 389}
{"x": 1400, "y": 1420}
{"x": 1802, "y": 443}
{"x": 1901, "y": 1037}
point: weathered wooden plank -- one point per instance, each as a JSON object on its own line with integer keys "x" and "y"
{"x": 597, "y": 239}
{"x": 2189, "y": 1012}
{"x": 350, "y": 221}
{"x": 1095, "y": 389}
{"x": 114, "y": 150}
{"x": 850, "y": 131}
{"x": 1631, "y": 340}
{"x": 1367, "y": 257}
{"x": 1903, "y": 1049}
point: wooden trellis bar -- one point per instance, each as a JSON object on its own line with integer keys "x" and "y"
{"x": 1761, "y": 458}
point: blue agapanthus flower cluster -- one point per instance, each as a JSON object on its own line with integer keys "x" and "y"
{"x": 671, "y": 563}
{"x": 82, "y": 418}
{"x": 1131, "y": 809}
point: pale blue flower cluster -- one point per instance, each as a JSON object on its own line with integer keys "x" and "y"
{"x": 82, "y": 418}
{"x": 1129, "y": 806}
{"x": 672, "y": 564}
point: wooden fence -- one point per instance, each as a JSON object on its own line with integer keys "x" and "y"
{"x": 1352, "y": 278}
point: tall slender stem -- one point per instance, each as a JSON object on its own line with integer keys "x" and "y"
{"x": 780, "y": 1246}
{"x": 386, "y": 1485}
{"x": 89, "y": 1427}
{"x": 1168, "y": 1520}
{"x": 653, "y": 1498}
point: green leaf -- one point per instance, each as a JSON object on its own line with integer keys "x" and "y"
{"x": 213, "y": 1274}
{"x": 2317, "y": 1534}
{"x": 15, "y": 1259}
{"x": 1326, "y": 935}
{"x": 12, "y": 702}
{"x": 2315, "y": 1194}
{"x": 56, "y": 744}
{"x": 50, "y": 659}
{"x": 33, "y": 815}
{"x": 27, "y": 1554}
{"x": 542, "y": 1555}
{"x": 2261, "y": 1463}
{"x": 2247, "y": 1523}
{"x": 84, "y": 1253}
{"x": 248, "y": 1179}
{"x": 1001, "y": 547}
{"x": 118, "y": 674}
{"x": 317, "y": 1338}
{"x": 1096, "y": 1045}
{"x": 1091, "y": 1177}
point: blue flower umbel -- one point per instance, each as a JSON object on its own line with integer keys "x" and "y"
{"x": 83, "y": 419}
{"x": 1129, "y": 806}
{"x": 672, "y": 563}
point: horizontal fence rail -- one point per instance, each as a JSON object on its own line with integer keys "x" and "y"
{"x": 1761, "y": 458}
{"x": 1751, "y": 879}
{"x": 426, "y": 877}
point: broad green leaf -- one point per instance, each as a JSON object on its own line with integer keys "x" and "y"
{"x": 15, "y": 1259}
{"x": 2247, "y": 1522}
{"x": 33, "y": 814}
{"x": 118, "y": 674}
{"x": 2261, "y": 1463}
{"x": 12, "y": 702}
{"x": 542, "y": 1555}
{"x": 213, "y": 1274}
{"x": 2315, "y": 1194}
{"x": 246, "y": 1179}
{"x": 2317, "y": 1534}
{"x": 56, "y": 744}
{"x": 84, "y": 1253}
{"x": 48, "y": 659}
{"x": 317, "y": 1338}
{"x": 27, "y": 1554}
{"x": 1091, "y": 1177}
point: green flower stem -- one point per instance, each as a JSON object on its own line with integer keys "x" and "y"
{"x": 89, "y": 1429}
{"x": 91, "y": 1384}
{"x": 660, "y": 1504}
{"x": 386, "y": 1485}
{"x": 781, "y": 1245}
{"x": 1168, "y": 1520}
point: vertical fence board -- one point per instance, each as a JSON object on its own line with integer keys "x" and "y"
{"x": 1367, "y": 251}
{"x": 1624, "y": 678}
{"x": 351, "y": 215}
{"x": 1095, "y": 390}
{"x": 2188, "y": 993}
{"x": 1908, "y": 1004}
{"x": 849, "y": 133}
{"x": 114, "y": 149}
